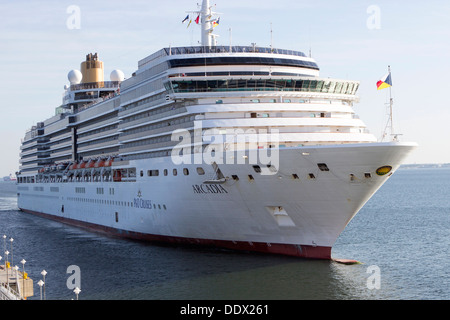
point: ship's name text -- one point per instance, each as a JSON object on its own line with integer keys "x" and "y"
{"x": 142, "y": 204}
{"x": 209, "y": 188}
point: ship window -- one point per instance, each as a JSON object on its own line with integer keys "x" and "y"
{"x": 295, "y": 176}
{"x": 235, "y": 177}
{"x": 312, "y": 176}
{"x": 323, "y": 167}
{"x": 117, "y": 217}
{"x": 175, "y": 172}
{"x": 257, "y": 169}
{"x": 219, "y": 101}
{"x": 253, "y": 115}
{"x": 368, "y": 175}
{"x": 250, "y": 177}
{"x": 142, "y": 173}
{"x": 166, "y": 172}
{"x": 200, "y": 171}
{"x": 186, "y": 171}
{"x": 153, "y": 173}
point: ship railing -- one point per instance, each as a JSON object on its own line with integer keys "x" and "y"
{"x": 230, "y": 49}
{"x": 8, "y": 293}
{"x": 95, "y": 85}
{"x": 216, "y": 49}
{"x": 96, "y": 101}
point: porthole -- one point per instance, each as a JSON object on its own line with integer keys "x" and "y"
{"x": 257, "y": 169}
{"x": 384, "y": 170}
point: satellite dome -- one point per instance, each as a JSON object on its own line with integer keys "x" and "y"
{"x": 117, "y": 75}
{"x": 75, "y": 77}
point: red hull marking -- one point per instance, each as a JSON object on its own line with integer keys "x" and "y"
{"x": 302, "y": 251}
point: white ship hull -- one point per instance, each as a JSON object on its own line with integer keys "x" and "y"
{"x": 298, "y": 211}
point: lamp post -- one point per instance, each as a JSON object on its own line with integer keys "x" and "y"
{"x": 6, "y": 267}
{"x": 44, "y": 273}
{"x": 40, "y": 284}
{"x": 77, "y": 291}
{"x": 23, "y": 261}
{"x": 12, "y": 261}
{"x": 16, "y": 268}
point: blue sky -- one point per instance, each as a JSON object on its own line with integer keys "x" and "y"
{"x": 37, "y": 50}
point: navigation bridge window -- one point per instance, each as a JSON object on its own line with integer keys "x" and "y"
{"x": 290, "y": 85}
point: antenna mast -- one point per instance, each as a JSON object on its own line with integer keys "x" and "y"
{"x": 391, "y": 104}
{"x": 390, "y": 122}
{"x": 207, "y": 24}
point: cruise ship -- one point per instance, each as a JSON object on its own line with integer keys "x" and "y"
{"x": 239, "y": 147}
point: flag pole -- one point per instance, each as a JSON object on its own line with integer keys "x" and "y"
{"x": 391, "y": 104}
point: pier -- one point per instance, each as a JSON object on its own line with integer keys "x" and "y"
{"x": 14, "y": 284}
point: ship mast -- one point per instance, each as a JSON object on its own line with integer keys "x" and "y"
{"x": 206, "y": 16}
{"x": 206, "y": 20}
{"x": 390, "y": 123}
{"x": 391, "y": 105}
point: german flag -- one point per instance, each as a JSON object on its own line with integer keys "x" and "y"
{"x": 385, "y": 82}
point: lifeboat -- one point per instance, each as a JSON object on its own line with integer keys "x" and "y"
{"x": 99, "y": 163}
{"x": 72, "y": 166}
{"x": 82, "y": 165}
{"x": 108, "y": 163}
{"x": 117, "y": 176}
{"x": 90, "y": 164}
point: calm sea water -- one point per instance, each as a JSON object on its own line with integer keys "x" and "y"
{"x": 403, "y": 231}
